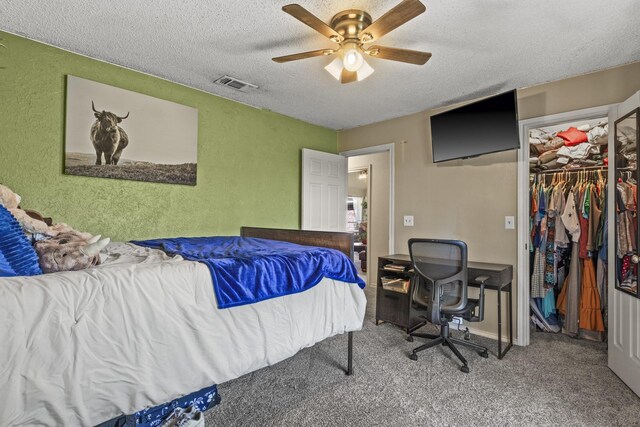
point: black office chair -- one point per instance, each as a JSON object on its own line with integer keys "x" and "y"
{"x": 440, "y": 291}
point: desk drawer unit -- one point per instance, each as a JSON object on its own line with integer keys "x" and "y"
{"x": 394, "y": 306}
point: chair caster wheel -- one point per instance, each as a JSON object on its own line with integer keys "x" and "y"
{"x": 464, "y": 369}
{"x": 483, "y": 354}
{"x": 410, "y": 338}
{"x": 413, "y": 356}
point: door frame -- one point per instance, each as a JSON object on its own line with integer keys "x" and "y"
{"x": 522, "y": 306}
{"x": 381, "y": 149}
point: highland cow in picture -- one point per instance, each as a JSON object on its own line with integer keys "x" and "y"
{"x": 107, "y": 137}
{"x": 160, "y": 143}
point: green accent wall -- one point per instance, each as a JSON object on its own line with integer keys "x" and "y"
{"x": 248, "y": 159}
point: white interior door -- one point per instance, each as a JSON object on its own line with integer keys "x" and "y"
{"x": 624, "y": 309}
{"x": 324, "y": 191}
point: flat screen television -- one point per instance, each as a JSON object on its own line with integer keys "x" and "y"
{"x": 482, "y": 127}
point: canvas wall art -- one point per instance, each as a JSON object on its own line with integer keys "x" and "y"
{"x": 117, "y": 133}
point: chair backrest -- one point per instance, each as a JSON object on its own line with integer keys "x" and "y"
{"x": 442, "y": 266}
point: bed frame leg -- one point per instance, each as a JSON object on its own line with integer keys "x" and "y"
{"x": 350, "y": 355}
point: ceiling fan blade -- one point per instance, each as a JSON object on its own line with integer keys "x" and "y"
{"x": 402, "y": 55}
{"x": 304, "y": 55}
{"x": 402, "y": 13}
{"x": 306, "y": 17}
{"x": 348, "y": 76}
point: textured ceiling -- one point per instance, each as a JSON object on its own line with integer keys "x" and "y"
{"x": 479, "y": 47}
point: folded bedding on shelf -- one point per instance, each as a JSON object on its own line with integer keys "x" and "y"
{"x": 548, "y": 156}
{"x": 584, "y": 145}
{"x": 598, "y": 134}
{"x": 580, "y": 151}
{"x": 247, "y": 270}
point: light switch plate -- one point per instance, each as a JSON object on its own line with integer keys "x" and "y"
{"x": 509, "y": 222}
{"x": 408, "y": 220}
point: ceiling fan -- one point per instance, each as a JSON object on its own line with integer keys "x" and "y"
{"x": 352, "y": 29}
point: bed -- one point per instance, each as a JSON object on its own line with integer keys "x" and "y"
{"x": 143, "y": 328}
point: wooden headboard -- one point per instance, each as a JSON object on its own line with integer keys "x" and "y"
{"x": 326, "y": 239}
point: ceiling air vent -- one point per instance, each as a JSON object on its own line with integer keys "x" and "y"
{"x": 236, "y": 84}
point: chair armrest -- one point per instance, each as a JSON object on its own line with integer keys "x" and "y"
{"x": 482, "y": 280}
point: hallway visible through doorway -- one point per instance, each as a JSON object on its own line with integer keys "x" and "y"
{"x": 357, "y": 216}
{"x": 368, "y": 207}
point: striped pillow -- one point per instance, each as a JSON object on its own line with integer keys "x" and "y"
{"x": 17, "y": 256}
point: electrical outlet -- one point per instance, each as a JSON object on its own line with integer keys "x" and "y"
{"x": 408, "y": 220}
{"x": 509, "y": 222}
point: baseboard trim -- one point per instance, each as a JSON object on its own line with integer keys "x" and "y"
{"x": 484, "y": 334}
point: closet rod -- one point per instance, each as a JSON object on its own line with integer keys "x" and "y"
{"x": 587, "y": 168}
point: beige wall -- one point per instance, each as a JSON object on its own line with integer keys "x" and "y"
{"x": 378, "y": 202}
{"x": 357, "y": 186}
{"x": 468, "y": 199}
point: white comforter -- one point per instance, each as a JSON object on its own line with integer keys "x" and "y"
{"x": 79, "y": 348}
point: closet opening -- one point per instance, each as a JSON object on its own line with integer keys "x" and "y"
{"x": 568, "y": 238}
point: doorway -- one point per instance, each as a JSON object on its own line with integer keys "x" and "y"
{"x": 374, "y": 236}
{"x": 358, "y": 190}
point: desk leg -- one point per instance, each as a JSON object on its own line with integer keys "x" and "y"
{"x": 499, "y": 323}
{"x": 510, "y": 307}
{"x": 510, "y": 314}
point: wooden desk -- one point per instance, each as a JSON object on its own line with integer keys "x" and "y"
{"x": 500, "y": 280}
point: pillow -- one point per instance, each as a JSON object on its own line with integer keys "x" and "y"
{"x": 573, "y": 136}
{"x": 17, "y": 256}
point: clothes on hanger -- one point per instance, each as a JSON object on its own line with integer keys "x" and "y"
{"x": 568, "y": 236}
{"x": 626, "y": 246}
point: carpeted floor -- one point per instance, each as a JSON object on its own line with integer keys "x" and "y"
{"x": 555, "y": 381}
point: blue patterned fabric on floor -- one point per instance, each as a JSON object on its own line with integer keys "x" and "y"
{"x": 201, "y": 400}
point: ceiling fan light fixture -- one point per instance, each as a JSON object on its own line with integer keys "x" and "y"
{"x": 352, "y": 59}
{"x": 365, "y": 71}
{"x": 335, "y": 68}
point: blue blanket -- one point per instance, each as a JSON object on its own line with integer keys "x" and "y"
{"x": 247, "y": 270}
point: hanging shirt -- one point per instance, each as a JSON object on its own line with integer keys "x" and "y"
{"x": 626, "y": 230}
{"x": 594, "y": 220}
{"x": 570, "y": 217}
{"x": 584, "y": 220}
{"x": 604, "y": 233}
{"x": 559, "y": 202}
